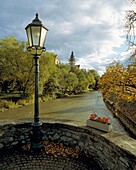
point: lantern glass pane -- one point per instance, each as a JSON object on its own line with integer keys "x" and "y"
{"x": 35, "y": 35}
{"x": 29, "y": 36}
{"x": 43, "y": 36}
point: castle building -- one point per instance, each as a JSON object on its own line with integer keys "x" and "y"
{"x": 57, "y": 60}
{"x": 72, "y": 61}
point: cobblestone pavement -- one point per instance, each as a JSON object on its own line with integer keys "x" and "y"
{"x": 15, "y": 160}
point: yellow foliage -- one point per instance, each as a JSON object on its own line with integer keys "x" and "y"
{"x": 118, "y": 80}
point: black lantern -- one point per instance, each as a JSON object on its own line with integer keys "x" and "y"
{"x": 36, "y": 34}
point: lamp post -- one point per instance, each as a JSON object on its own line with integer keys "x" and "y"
{"x": 36, "y": 34}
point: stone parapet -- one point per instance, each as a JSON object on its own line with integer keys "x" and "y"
{"x": 110, "y": 150}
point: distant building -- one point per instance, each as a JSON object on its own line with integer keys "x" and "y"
{"x": 57, "y": 60}
{"x": 77, "y": 66}
{"x": 72, "y": 61}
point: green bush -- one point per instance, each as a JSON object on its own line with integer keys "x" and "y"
{"x": 2, "y": 104}
{"x": 10, "y": 105}
{"x": 22, "y": 102}
{"x": 26, "y": 101}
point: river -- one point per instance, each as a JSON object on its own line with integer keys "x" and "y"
{"x": 79, "y": 108}
{"x": 73, "y": 108}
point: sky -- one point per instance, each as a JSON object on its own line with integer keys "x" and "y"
{"x": 93, "y": 30}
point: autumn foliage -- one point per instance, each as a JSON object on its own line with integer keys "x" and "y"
{"x": 119, "y": 81}
{"x": 118, "y": 85}
{"x": 56, "y": 149}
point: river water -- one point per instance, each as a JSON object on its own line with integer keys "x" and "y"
{"x": 79, "y": 108}
{"x": 73, "y": 108}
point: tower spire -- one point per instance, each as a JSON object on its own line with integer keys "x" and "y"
{"x": 72, "y": 59}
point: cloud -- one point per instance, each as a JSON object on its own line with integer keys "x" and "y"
{"x": 94, "y": 30}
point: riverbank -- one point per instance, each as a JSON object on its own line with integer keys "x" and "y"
{"x": 13, "y": 100}
{"x": 128, "y": 121}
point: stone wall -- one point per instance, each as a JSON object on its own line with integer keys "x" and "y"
{"x": 126, "y": 120}
{"x": 110, "y": 150}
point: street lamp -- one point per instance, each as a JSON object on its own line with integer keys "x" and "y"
{"x": 36, "y": 34}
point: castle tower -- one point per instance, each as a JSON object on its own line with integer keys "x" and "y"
{"x": 72, "y": 60}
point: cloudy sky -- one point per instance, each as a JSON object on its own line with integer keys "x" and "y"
{"x": 94, "y": 30}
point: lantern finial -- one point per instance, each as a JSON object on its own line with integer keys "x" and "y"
{"x": 36, "y": 15}
{"x": 36, "y": 18}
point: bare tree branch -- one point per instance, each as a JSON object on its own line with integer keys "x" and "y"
{"x": 131, "y": 27}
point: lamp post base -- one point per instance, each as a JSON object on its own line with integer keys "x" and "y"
{"x": 36, "y": 139}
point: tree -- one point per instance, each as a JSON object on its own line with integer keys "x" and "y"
{"x": 82, "y": 81}
{"x": 131, "y": 24}
{"x": 131, "y": 32}
{"x": 16, "y": 65}
{"x": 47, "y": 69}
{"x": 119, "y": 81}
{"x": 72, "y": 82}
{"x": 91, "y": 80}
{"x": 130, "y": 27}
{"x": 51, "y": 86}
{"x": 17, "y": 72}
{"x": 67, "y": 81}
{"x": 96, "y": 78}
